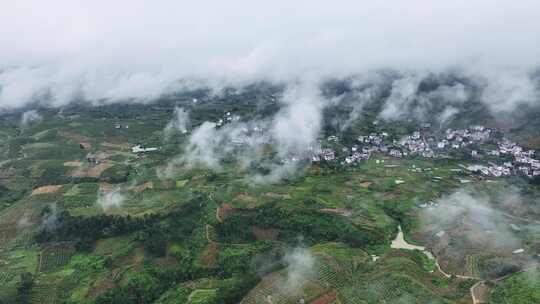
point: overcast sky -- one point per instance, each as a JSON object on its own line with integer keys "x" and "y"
{"x": 120, "y": 49}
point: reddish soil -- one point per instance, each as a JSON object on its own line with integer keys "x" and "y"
{"x": 166, "y": 262}
{"x": 210, "y": 254}
{"x": 325, "y": 299}
{"x": 264, "y": 234}
{"x": 85, "y": 145}
{"x": 224, "y": 210}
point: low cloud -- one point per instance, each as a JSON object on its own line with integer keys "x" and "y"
{"x": 447, "y": 115}
{"x": 204, "y": 146}
{"x": 365, "y": 89}
{"x": 110, "y": 199}
{"x": 419, "y": 96}
{"x": 504, "y": 90}
{"x": 180, "y": 122}
{"x": 473, "y": 216}
{"x": 403, "y": 94}
{"x": 296, "y": 126}
{"x": 292, "y": 134}
{"x": 210, "y": 145}
{"x": 300, "y": 269}
{"x": 50, "y": 218}
{"x": 30, "y": 117}
{"x": 24, "y": 222}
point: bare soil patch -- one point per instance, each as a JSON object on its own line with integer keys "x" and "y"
{"x": 85, "y": 145}
{"x": 166, "y": 184}
{"x": 209, "y": 255}
{"x": 223, "y": 211}
{"x": 481, "y": 293}
{"x": 96, "y": 170}
{"x": 277, "y": 195}
{"x": 74, "y": 163}
{"x": 245, "y": 197}
{"x": 90, "y": 171}
{"x": 46, "y": 189}
{"x": 106, "y": 187}
{"x": 366, "y": 184}
{"x": 145, "y": 186}
{"x": 74, "y": 136}
{"x": 115, "y": 146}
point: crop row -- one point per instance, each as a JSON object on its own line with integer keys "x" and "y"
{"x": 54, "y": 256}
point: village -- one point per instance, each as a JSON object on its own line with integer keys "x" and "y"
{"x": 493, "y": 156}
{"x": 508, "y": 158}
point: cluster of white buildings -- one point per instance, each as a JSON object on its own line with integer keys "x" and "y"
{"x": 227, "y": 118}
{"x": 415, "y": 144}
{"x": 324, "y": 154}
{"x": 465, "y": 137}
{"x": 141, "y": 149}
{"x": 524, "y": 161}
{"x": 429, "y": 147}
{"x": 492, "y": 169}
{"x": 418, "y": 143}
{"x": 374, "y": 139}
{"x": 367, "y": 145}
{"x": 119, "y": 126}
{"x": 430, "y": 204}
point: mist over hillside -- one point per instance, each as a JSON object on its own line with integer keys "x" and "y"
{"x": 305, "y": 152}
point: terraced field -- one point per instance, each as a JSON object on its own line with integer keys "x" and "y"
{"x": 354, "y": 278}
{"x": 54, "y": 256}
{"x": 179, "y": 233}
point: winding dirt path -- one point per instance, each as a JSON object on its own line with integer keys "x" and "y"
{"x": 476, "y": 298}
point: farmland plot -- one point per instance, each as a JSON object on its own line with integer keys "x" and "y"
{"x": 43, "y": 294}
{"x": 54, "y": 256}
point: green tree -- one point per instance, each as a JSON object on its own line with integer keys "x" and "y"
{"x": 24, "y": 287}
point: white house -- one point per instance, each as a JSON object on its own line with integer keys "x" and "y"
{"x": 141, "y": 149}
